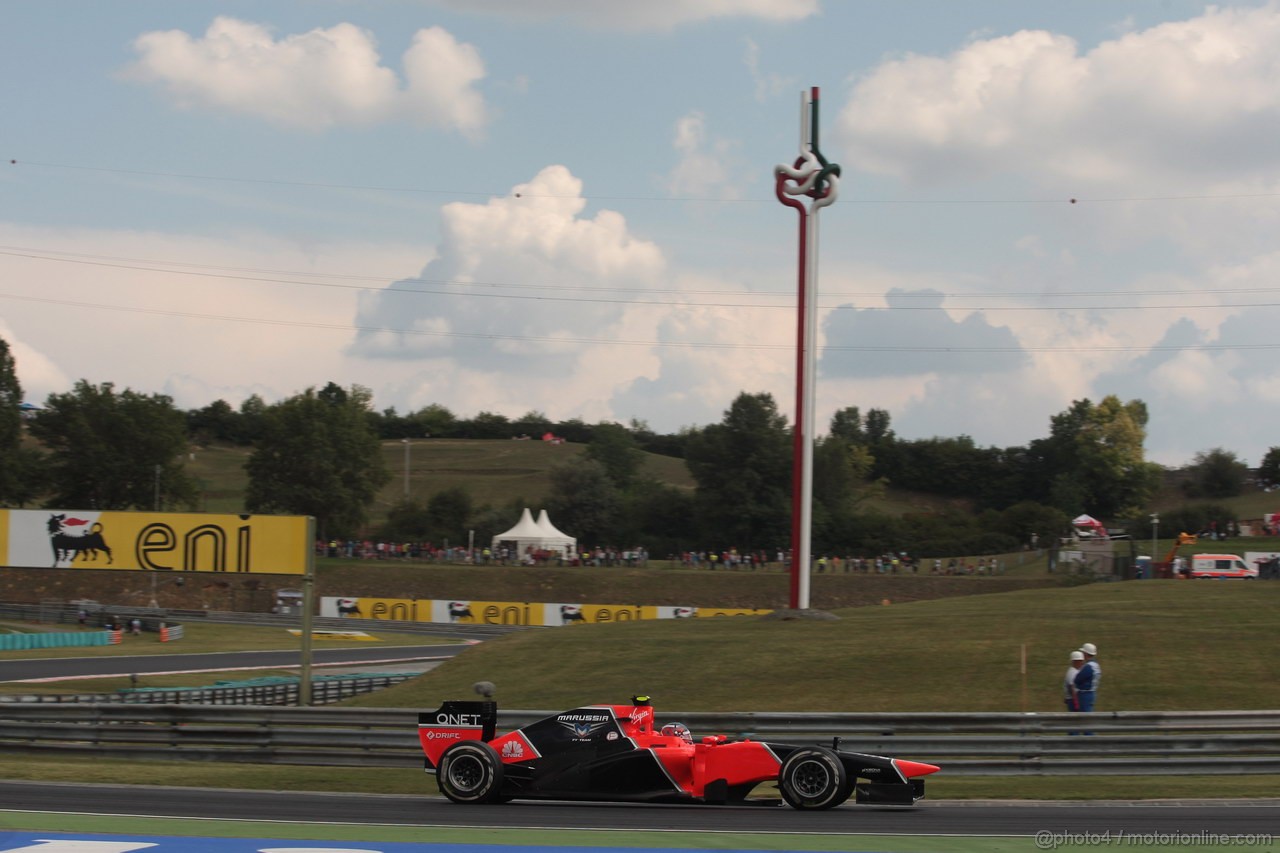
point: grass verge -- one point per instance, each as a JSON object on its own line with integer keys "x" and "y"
{"x": 412, "y": 781}
{"x": 1161, "y": 643}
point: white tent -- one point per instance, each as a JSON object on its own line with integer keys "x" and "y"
{"x": 528, "y": 535}
{"x": 548, "y": 529}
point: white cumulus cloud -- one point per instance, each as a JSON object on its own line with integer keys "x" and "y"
{"x": 708, "y": 164}
{"x": 1198, "y": 98}
{"x": 531, "y": 248}
{"x": 38, "y": 375}
{"x": 647, "y": 15}
{"x": 316, "y": 79}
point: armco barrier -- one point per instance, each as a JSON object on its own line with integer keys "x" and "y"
{"x": 1124, "y": 743}
{"x": 68, "y": 613}
{"x": 325, "y": 690}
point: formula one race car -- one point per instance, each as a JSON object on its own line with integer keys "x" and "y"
{"x": 613, "y": 753}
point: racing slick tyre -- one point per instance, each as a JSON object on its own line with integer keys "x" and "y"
{"x": 814, "y": 778}
{"x": 470, "y": 772}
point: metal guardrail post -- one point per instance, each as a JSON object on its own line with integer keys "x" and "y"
{"x": 308, "y": 614}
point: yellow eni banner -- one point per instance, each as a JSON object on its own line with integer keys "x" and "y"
{"x": 154, "y": 541}
{"x": 512, "y": 612}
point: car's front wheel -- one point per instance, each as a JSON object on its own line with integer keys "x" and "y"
{"x": 814, "y": 778}
{"x": 470, "y": 772}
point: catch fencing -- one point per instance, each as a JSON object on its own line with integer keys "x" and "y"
{"x": 151, "y": 617}
{"x": 282, "y": 690}
{"x": 989, "y": 744}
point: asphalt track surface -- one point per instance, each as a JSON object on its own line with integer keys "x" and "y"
{"x": 31, "y": 668}
{"x": 927, "y": 818}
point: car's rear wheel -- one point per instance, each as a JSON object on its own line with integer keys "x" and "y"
{"x": 814, "y": 778}
{"x": 470, "y": 772}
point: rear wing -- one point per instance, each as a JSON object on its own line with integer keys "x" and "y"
{"x": 452, "y": 722}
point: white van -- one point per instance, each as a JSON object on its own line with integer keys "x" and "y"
{"x": 1221, "y": 566}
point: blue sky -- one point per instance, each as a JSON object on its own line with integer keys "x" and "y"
{"x": 567, "y": 206}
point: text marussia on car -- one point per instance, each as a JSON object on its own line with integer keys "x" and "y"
{"x": 613, "y": 752}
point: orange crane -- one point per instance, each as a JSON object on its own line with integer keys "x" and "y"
{"x": 1165, "y": 569}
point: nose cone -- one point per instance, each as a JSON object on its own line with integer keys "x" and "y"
{"x": 911, "y": 769}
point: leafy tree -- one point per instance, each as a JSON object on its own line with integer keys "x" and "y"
{"x": 1269, "y": 470}
{"x": 215, "y": 422}
{"x": 11, "y": 473}
{"x": 407, "y": 519}
{"x": 31, "y": 480}
{"x": 1199, "y": 519}
{"x": 335, "y": 395}
{"x": 448, "y": 512}
{"x": 945, "y": 466}
{"x": 532, "y": 423}
{"x": 1215, "y": 473}
{"x": 433, "y": 421}
{"x": 663, "y": 445}
{"x": 1069, "y": 493}
{"x": 1093, "y": 460}
{"x": 443, "y": 518}
{"x": 1005, "y": 477}
{"x": 847, "y": 424}
{"x": 953, "y": 532}
{"x": 488, "y": 522}
{"x": 390, "y": 424}
{"x": 114, "y": 451}
{"x": 488, "y": 425}
{"x": 614, "y": 447}
{"x": 876, "y": 426}
{"x": 863, "y": 533}
{"x": 585, "y": 503}
{"x": 659, "y": 517}
{"x": 1031, "y": 523}
{"x": 318, "y": 456}
{"x": 23, "y": 475}
{"x": 252, "y": 412}
{"x": 742, "y": 466}
{"x": 574, "y": 429}
{"x": 841, "y": 476}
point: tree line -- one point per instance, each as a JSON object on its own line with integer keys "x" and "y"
{"x": 318, "y": 453}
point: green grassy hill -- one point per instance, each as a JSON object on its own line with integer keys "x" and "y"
{"x": 498, "y": 473}
{"x": 1163, "y": 645}
{"x": 494, "y": 472}
{"x": 1251, "y": 503}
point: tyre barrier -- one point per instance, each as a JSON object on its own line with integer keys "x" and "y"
{"x": 26, "y": 642}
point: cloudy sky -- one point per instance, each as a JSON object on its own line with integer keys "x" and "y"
{"x": 567, "y": 206}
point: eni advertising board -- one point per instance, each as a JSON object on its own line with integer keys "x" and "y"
{"x": 512, "y": 612}
{"x": 154, "y": 541}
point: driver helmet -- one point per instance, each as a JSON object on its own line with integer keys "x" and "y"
{"x": 679, "y": 730}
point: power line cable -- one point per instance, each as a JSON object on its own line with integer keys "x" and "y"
{"x": 203, "y": 271}
{"x": 623, "y": 342}
{"x": 702, "y": 199}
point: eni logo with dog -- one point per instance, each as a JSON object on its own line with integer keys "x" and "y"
{"x": 154, "y": 541}
{"x": 549, "y": 613}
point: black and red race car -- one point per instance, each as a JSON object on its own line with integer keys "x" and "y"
{"x": 615, "y": 753}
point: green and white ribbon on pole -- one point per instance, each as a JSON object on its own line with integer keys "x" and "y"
{"x": 810, "y": 176}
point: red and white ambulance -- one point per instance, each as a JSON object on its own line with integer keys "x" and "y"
{"x": 1221, "y": 566}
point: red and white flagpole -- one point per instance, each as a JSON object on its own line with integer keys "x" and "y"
{"x": 813, "y": 177}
